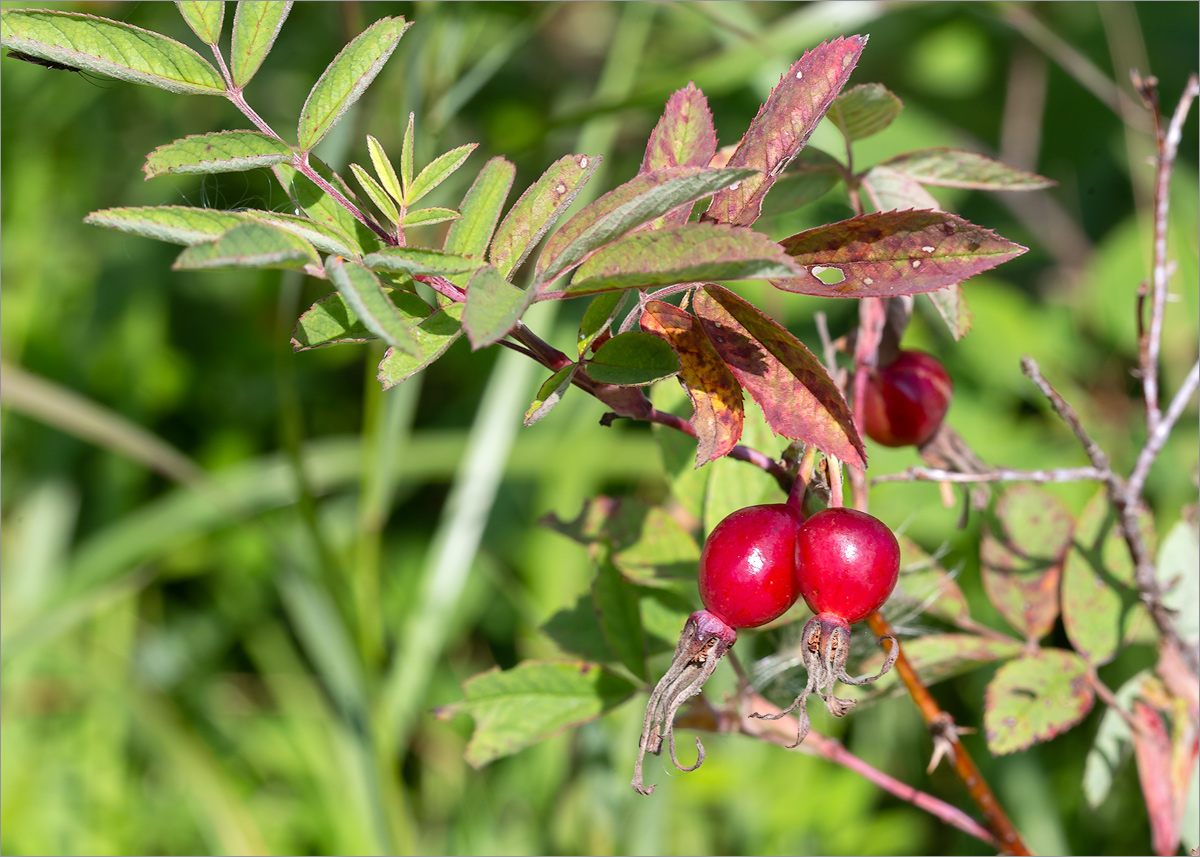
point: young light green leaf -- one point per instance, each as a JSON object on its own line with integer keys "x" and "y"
{"x": 347, "y": 77}
{"x": 438, "y": 170}
{"x": 256, "y": 25}
{"x": 384, "y": 169}
{"x": 550, "y": 393}
{"x": 110, "y": 48}
{"x": 428, "y": 216}
{"x": 377, "y": 194}
{"x": 679, "y": 254}
{"x": 1112, "y": 745}
{"x": 959, "y": 168}
{"x": 951, "y": 305}
{"x": 1178, "y": 572}
{"x": 174, "y": 224}
{"x": 598, "y": 317}
{"x": 480, "y": 210}
{"x": 864, "y": 110}
{"x": 204, "y": 17}
{"x": 331, "y": 321}
{"x": 633, "y": 359}
{"x": 249, "y": 245}
{"x": 494, "y": 305}
{"x": 1036, "y": 698}
{"x": 328, "y": 239}
{"x": 539, "y": 208}
{"x": 406, "y": 155}
{"x": 322, "y": 207}
{"x": 640, "y": 200}
{"x": 532, "y": 701}
{"x": 433, "y": 336}
{"x": 219, "y": 152}
{"x": 364, "y": 295}
{"x": 420, "y": 260}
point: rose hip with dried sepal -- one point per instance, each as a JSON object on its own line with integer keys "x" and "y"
{"x": 748, "y": 576}
{"x": 847, "y": 566}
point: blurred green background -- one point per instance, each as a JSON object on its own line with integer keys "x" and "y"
{"x": 237, "y": 580}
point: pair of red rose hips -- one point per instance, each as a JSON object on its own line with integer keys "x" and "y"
{"x": 754, "y": 566}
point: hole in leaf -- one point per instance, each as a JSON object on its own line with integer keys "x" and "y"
{"x": 828, "y": 275}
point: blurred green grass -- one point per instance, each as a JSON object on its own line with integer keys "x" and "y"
{"x": 245, "y": 662}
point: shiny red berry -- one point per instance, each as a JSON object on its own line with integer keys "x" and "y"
{"x": 848, "y": 563}
{"x": 748, "y": 565}
{"x": 906, "y": 400}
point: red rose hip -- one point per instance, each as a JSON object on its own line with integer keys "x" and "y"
{"x": 847, "y": 563}
{"x": 906, "y": 400}
{"x": 748, "y": 565}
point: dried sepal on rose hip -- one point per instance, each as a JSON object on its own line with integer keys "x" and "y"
{"x": 847, "y": 566}
{"x": 747, "y": 577}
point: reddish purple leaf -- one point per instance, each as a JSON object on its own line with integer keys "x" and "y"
{"x": 892, "y": 253}
{"x": 1022, "y": 566}
{"x": 683, "y": 137}
{"x": 784, "y": 124}
{"x": 959, "y": 168}
{"x": 716, "y": 395}
{"x": 797, "y": 396}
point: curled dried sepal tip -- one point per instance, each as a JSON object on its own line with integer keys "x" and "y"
{"x": 704, "y": 641}
{"x": 826, "y": 645}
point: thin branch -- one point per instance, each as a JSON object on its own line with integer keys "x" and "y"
{"x": 999, "y": 474}
{"x": 1095, "y": 454}
{"x": 1158, "y": 437}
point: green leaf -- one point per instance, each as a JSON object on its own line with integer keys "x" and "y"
{"x": 940, "y": 657}
{"x": 331, "y": 321}
{"x": 926, "y": 587}
{"x": 1112, "y": 745}
{"x": 377, "y": 194}
{"x": 256, "y": 25}
{"x": 347, "y": 77}
{"x": 959, "y": 168}
{"x": 1178, "y": 573}
{"x": 550, "y": 393}
{"x": 812, "y": 174}
{"x": 406, "y": 155}
{"x": 532, "y": 701}
{"x": 480, "y": 210}
{"x": 797, "y": 396}
{"x": 634, "y": 203}
{"x": 689, "y": 253}
{"x": 427, "y": 216}
{"x": 633, "y": 359}
{"x": 364, "y": 295}
{"x": 1100, "y": 605}
{"x": 204, "y": 17}
{"x": 324, "y": 237}
{"x": 384, "y": 169}
{"x": 893, "y": 253}
{"x": 598, "y": 317}
{"x": 322, "y": 207}
{"x": 110, "y": 48}
{"x": 438, "y": 170}
{"x": 1035, "y": 698}
{"x": 539, "y": 208}
{"x": 219, "y": 152}
{"x": 576, "y": 630}
{"x": 1022, "y": 566}
{"x": 174, "y": 224}
{"x": 250, "y": 245}
{"x": 717, "y": 410}
{"x": 420, "y": 260}
{"x": 864, "y": 110}
{"x": 494, "y": 305}
{"x": 617, "y": 608}
{"x": 783, "y": 126}
{"x": 433, "y": 336}
{"x": 952, "y": 307}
